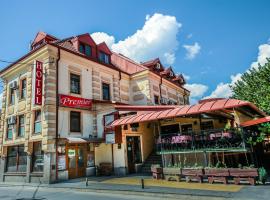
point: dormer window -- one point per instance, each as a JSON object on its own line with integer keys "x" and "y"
{"x": 171, "y": 74}
{"x": 103, "y": 57}
{"x": 85, "y": 49}
{"x": 158, "y": 66}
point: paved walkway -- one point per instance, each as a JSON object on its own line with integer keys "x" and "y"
{"x": 132, "y": 185}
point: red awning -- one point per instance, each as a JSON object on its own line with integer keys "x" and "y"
{"x": 170, "y": 112}
{"x": 256, "y": 121}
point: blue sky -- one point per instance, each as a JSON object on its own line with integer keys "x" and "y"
{"x": 221, "y": 37}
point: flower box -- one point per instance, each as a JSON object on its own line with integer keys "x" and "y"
{"x": 172, "y": 173}
{"x": 193, "y": 174}
{"x": 249, "y": 175}
{"x": 217, "y": 174}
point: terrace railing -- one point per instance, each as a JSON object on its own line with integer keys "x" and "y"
{"x": 215, "y": 140}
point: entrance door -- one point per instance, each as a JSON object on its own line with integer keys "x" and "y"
{"x": 76, "y": 161}
{"x": 133, "y": 152}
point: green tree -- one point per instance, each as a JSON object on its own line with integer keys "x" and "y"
{"x": 254, "y": 86}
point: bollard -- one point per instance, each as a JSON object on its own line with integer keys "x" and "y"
{"x": 142, "y": 182}
{"x": 86, "y": 181}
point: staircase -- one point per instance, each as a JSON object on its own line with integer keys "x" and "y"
{"x": 153, "y": 159}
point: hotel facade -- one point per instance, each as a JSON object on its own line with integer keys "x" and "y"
{"x": 58, "y": 98}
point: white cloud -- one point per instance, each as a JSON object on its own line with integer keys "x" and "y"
{"x": 264, "y": 52}
{"x": 187, "y": 77}
{"x": 189, "y": 36}
{"x": 196, "y": 91}
{"x": 157, "y": 38}
{"x": 223, "y": 90}
{"x": 100, "y": 37}
{"x": 192, "y": 50}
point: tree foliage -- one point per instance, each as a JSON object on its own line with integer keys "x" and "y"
{"x": 254, "y": 86}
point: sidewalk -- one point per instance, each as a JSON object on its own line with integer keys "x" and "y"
{"x": 132, "y": 184}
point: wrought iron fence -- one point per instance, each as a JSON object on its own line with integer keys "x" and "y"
{"x": 211, "y": 140}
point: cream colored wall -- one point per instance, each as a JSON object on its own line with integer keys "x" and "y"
{"x": 119, "y": 156}
{"x": 103, "y": 153}
{"x": 64, "y": 120}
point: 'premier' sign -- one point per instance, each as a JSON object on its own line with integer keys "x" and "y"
{"x": 38, "y": 83}
{"x": 74, "y": 102}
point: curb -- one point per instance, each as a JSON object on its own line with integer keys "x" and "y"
{"x": 137, "y": 191}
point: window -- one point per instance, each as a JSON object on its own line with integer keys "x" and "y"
{"x": 85, "y": 49}
{"x": 37, "y": 122}
{"x": 21, "y": 126}
{"x": 134, "y": 127}
{"x": 186, "y": 128}
{"x": 106, "y": 91}
{"x": 9, "y": 131}
{"x": 12, "y": 96}
{"x": 16, "y": 159}
{"x": 156, "y": 99}
{"x": 75, "y": 83}
{"x": 23, "y": 89}
{"x": 88, "y": 50}
{"x": 75, "y": 121}
{"x": 103, "y": 57}
{"x": 208, "y": 125}
{"x": 38, "y": 157}
{"x": 170, "y": 129}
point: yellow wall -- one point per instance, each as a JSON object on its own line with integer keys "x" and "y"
{"x": 103, "y": 153}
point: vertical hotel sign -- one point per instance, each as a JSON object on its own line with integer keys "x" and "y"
{"x": 38, "y": 83}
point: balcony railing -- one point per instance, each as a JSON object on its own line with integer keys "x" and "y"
{"x": 217, "y": 140}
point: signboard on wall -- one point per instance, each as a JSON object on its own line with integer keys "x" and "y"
{"x": 74, "y": 102}
{"x": 62, "y": 162}
{"x": 38, "y": 83}
{"x": 110, "y": 138}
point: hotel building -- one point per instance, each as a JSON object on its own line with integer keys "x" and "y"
{"x": 57, "y": 99}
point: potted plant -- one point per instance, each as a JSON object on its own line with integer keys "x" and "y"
{"x": 218, "y": 173}
{"x": 156, "y": 171}
{"x": 172, "y": 172}
{"x": 262, "y": 175}
{"x": 196, "y": 172}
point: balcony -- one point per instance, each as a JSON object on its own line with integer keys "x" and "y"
{"x": 215, "y": 140}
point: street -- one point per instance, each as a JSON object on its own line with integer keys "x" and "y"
{"x": 43, "y": 193}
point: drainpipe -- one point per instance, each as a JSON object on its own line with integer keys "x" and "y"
{"x": 57, "y": 107}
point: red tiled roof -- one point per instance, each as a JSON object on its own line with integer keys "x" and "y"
{"x": 256, "y": 121}
{"x": 125, "y": 64}
{"x": 185, "y": 110}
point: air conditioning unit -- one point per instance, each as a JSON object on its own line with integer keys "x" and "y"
{"x": 158, "y": 65}
{"x": 163, "y": 100}
{"x": 13, "y": 85}
{"x": 12, "y": 120}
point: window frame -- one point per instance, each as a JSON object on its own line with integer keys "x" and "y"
{"x": 37, "y": 121}
{"x": 100, "y": 58}
{"x": 71, "y": 130}
{"x": 109, "y": 91}
{"x": 23, "y": 89}
{"x": 35, "y": 157}
{"x": 84, "y": 47}
{"x": 19, "y": 154}
{"x": 156, "y": 96}
{"x": 9, "y": 127}
{"x": 11, "y": 93}
{"x": 19, "y": 126}
{"x": 70, "y": 82}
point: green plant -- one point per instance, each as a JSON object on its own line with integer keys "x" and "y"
{"x": 262, "y": 175}
{"x": 220, "y": 165}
